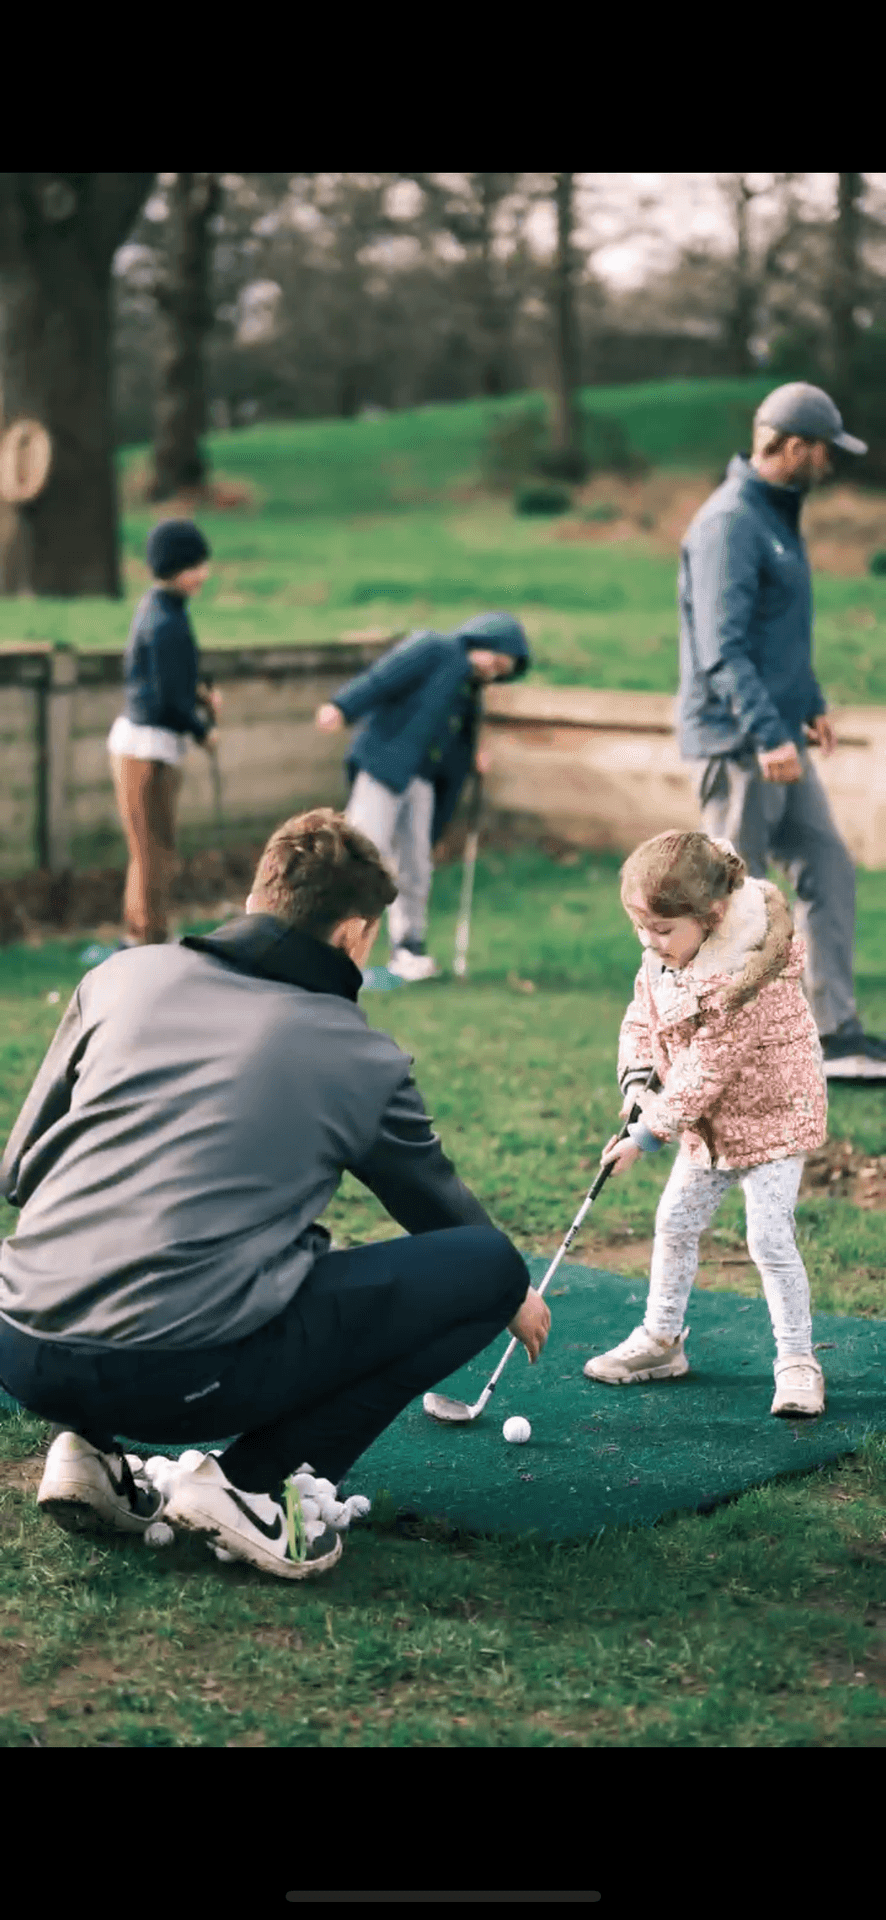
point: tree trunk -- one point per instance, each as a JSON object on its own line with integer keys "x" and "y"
{"x": 183, "y": 296}
{"x": 845, "y": 288}
{"x": 348, "y": 393}
{"x": 859, "y": 382}
{"x": 564, "y": 435}
{"x": 740, "y": 319}
{"x": 58, "y": 235}
{"x": 493, "y": 379}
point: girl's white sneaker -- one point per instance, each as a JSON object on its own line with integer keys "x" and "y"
{"x": 642, "y": 1356}
{"x": 799, "y": 1386}
{"x": 412, "y": 966}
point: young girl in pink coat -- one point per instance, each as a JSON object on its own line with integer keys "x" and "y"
{"x": 719, "y": 1012}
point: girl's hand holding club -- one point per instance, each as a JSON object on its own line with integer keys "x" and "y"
{"x": 622, "y": 1154}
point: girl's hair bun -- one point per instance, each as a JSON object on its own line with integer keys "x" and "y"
{"x": 679, "y": 873}
{"x": 736, "y": 870}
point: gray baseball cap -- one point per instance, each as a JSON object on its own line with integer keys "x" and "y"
{"x": 809, "y": 412}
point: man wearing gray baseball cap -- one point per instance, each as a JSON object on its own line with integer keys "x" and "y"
{"x": 750, "y": 705}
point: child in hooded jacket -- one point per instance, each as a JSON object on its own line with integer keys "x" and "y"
{"x": 719, "y": 1012}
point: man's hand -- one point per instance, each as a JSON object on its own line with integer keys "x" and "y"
{"x": 483, "y": 760}
{"x": 622, "y": 1154}
{"x": 211, "y": 698}
{"x": 329, "y": 718}
{"x": 532, "y": 1324}
{"x": 209, "y": 741}
{"x": 822, "y": 733}
{"x": 781, "y": 764}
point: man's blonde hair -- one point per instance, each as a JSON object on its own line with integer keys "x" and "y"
{"x": 317, "y": 870}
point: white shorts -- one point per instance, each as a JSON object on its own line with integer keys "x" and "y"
{"x": 146, "y": 743}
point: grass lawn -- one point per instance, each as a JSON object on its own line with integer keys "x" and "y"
{"x": 387, "y": 525}
{"x": 759, "y": 1625}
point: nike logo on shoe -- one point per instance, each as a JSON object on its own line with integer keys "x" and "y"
{"x": 123, "y": 1486}
{"x": 145, "y": 1502}
{"x": 271, "y": 1532}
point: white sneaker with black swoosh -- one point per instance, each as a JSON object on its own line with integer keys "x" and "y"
{"x": 87, "y": 1491}
{"x": 252, "y": 1526}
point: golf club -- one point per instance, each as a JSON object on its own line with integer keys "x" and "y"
{"x": 215, "y": 771}
{"x": 457, "y": 1412}
{"x": 463, "y": 930}
{"x": 212, "y": 753}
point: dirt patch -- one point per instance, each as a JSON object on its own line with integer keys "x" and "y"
{"x": 219, "y": 491}
{"x": 838, "y": 1168}
{"x": 843, "y": 525}
{"x": 43, "y": 906}
{"x": 629, "y": 1254}
{"x": 24, "y": 1476}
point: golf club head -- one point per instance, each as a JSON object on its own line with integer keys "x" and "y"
{"x": 454, "y": 1412}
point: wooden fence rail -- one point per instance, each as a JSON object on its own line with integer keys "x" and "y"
{"x": 597, "y": 768}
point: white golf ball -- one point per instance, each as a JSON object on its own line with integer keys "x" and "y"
{"x": 188, "y": 1462}
{"x": 159, "y": 1535}
{"x": 517, "y": 1429}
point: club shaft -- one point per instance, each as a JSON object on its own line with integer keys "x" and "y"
{"x": 590, "y": 1197}
{"x": 461, "y": 938}
{"x": 462, "y": 932}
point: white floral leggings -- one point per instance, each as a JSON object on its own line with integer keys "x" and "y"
{"x": 687, "y": 1207}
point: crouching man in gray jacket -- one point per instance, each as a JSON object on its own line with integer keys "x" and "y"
{"x": 167, "y": 1277}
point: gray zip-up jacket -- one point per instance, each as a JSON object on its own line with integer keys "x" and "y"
{"x": 191, "y": 1120}
{"x": 746, "y": 677}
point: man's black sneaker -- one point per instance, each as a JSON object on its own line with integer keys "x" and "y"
{"x": 853, "y": 1056}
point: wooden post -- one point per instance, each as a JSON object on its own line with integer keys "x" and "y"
{"x": 55, "y": 817}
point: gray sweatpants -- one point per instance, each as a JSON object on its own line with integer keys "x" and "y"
{"x": 792, "y": 826}
{"x": 399, "y": 825}
{"x": 687, "y": 1206}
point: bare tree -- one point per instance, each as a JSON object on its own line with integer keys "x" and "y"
{"x": 183, "y": 294}
{"x": 467, "y": 208}
{"x": 564, "y": 417}
{"x": 58, "y": 237}
{"x": 354, "y": 217}
{"x": 751, "y": 263}
{"x": 846, "y": 286}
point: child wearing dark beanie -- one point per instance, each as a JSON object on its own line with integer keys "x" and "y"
{"x": 149, "y": 740}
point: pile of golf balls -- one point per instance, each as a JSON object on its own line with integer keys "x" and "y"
{"x": 320, "y": 1506}
{"x": 517, "y": 1429}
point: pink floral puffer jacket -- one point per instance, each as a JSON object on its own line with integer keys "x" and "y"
{"x": 732, "y": 1039}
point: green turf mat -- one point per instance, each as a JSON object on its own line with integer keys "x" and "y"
{"x": 622, "y": 1456}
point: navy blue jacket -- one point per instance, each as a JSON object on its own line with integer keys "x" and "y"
{"x": 161, "y": 665}
{"x": 746, "y": 678}
{"x": 422, "y": 709}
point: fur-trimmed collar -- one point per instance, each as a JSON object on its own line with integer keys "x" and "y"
{"x": 751, "y": 945}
